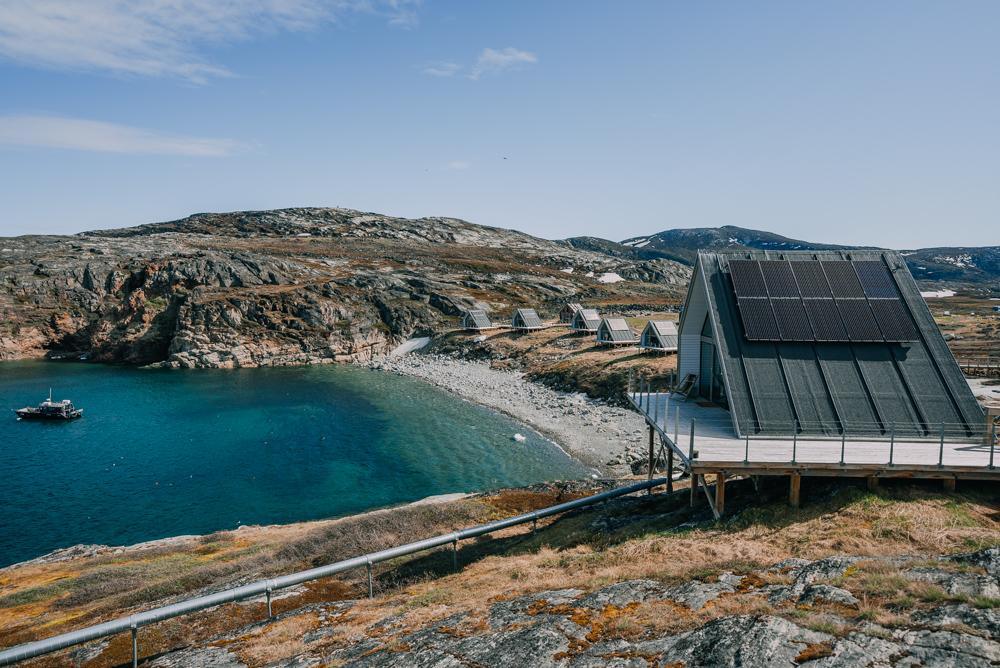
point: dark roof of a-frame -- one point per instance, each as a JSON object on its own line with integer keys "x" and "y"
{"x": 828, "y": 387}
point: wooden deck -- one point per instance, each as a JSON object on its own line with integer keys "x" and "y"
{"x": 717, "y": 450}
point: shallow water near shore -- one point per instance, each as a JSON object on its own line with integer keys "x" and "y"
{"x": 164, "y": 453}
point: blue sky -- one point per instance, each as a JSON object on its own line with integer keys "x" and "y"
{"x": 848, "y": 122}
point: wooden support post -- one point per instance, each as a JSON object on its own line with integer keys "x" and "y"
{"x": 720, "y": 493}
{"x": 694, "y": 486}
{"x": 949, "y": 484}
{"x": 670, "y": 470}
{"x": 650, "y": 476}
{"x": 794, "y": 484}
{"x": 872, "y": 482}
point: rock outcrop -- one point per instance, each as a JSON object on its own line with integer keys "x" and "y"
{"x": 570, "y": 628}
{"x": 292, "y": 286}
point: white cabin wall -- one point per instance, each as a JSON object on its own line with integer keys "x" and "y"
{"x": 689, "y": 340}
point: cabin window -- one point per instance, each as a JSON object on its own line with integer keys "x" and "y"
{"x": 711, "y": 385}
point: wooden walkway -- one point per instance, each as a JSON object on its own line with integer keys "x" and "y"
{"x": 685, "y": 427}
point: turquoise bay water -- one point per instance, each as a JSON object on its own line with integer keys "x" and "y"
{"x": 163, "y": 453}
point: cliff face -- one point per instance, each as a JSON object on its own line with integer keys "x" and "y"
{"x": 293, "y": 286}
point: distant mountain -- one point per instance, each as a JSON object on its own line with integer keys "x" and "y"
{"x": 615, "y": 249}
{"x": 683, "y": 244}
{"x": 978, "y": 266}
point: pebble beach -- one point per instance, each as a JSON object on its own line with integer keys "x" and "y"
{"x": 608, "y": 438}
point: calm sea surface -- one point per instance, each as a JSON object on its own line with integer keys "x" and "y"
{"x": 163, "y": 453}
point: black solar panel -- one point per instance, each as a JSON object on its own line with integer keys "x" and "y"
{"x": 858, "y": 320}
{"x": 781, "y": 300}
{"x": 894, "y": 320}
{"x": 843, "y": 279}
{"x": 825, "y": 320}
{"x": 875, "y": 279}
{"x": 747, "y": 279}
{"x": 758, "y": 319}
{"x": 811, "y": 279}
{"x": 779, "y": 278}
{"x": 793, "y": 325}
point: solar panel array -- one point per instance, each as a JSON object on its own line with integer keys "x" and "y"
{"x": 820, "y": 300}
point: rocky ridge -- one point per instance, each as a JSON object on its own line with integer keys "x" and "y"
{"x": 805, "y": 624}
{"x": 291, "y": 286}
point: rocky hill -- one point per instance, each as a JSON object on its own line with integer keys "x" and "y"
{"x": 905, "y": 576}
{"x": 290, "y": 286}
{"x": 977, "y": 267}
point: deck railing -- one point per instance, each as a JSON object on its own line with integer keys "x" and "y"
{"x": 665, "y": 417}
{"x": 980, "y": 366}
{"x": 133, "y": 623}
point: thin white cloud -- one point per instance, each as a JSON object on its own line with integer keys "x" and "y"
{"x": 163, "y": 37}
{"x": 459, "y": 165}
{"x": 492, "y": 61}
{"x": 86, "y": 135}
{"x": 442, "y": 69}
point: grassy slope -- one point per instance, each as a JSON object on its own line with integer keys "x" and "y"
{"x": 635, "y": 538}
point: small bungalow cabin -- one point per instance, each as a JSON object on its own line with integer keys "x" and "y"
{"x": 476, "y": 319}
{"x": 526, "y": 319}
{"x": 585, "y": 320}
{"x": 567, "y": 312}
{"x": 615, "y": 332}
{"x": 821, "y": 343}
{"x": 660, "y": 336}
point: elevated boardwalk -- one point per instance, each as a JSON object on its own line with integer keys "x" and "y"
{"x": 688, "y": 426}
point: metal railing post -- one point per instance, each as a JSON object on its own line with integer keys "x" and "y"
{"x": 135, "y": 646}
{"x": 892, "y": 441}
{"x": 371, "y": 580}
{"x": 656, "y": 410}
{"x": 666, "y": 411}
{"x": 843, "y": 444}
{"x": 691, "y": 443}
{"x": 941, "y": 450}
{"x": 270, "y": 615}
{"x": 746, "y": 453}
{"x": 454, "y": 555}
{"x": 677, "y": 425}
{"x": 795, "y": 443}
{"x": 993, "y": 442}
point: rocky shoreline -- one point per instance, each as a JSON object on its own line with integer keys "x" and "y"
{"x": 608, "y": 438}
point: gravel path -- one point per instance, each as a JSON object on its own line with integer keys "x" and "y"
{"x": 605, "y": 437}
